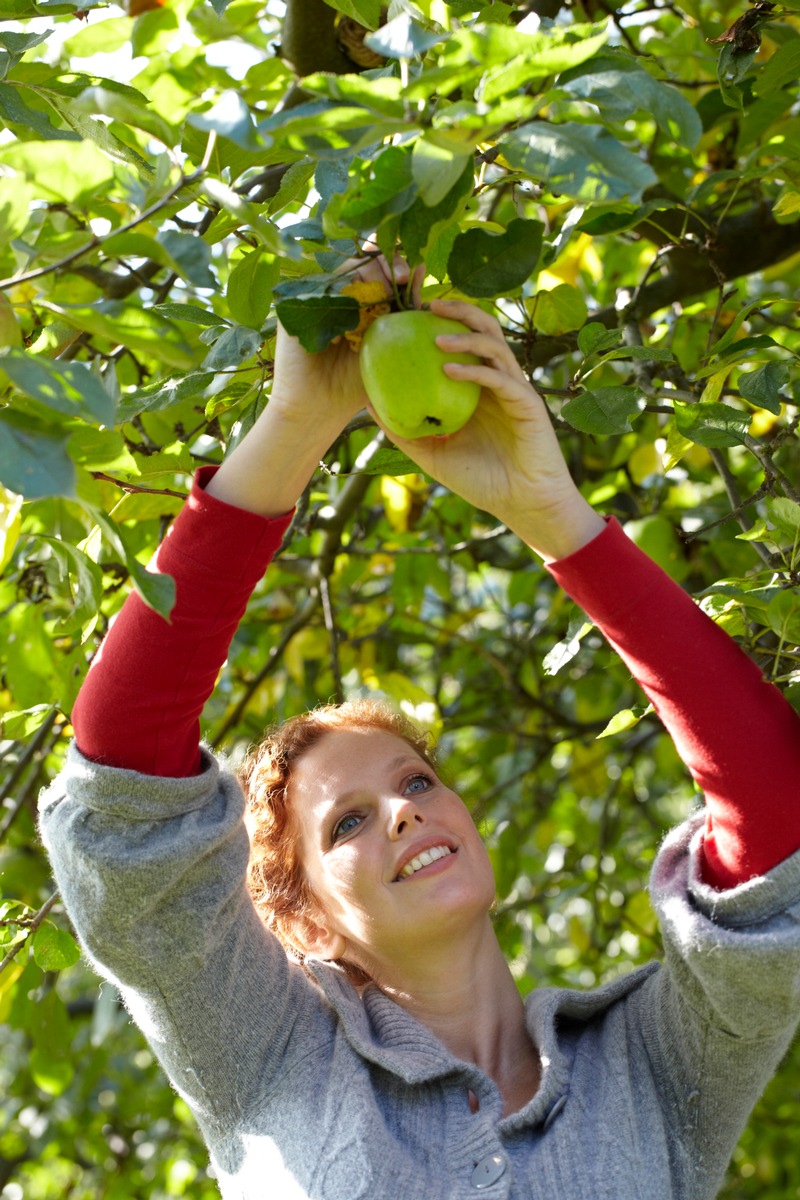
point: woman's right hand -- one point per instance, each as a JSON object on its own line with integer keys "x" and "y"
{"x": 327, "y": 386}
{"x": 313, "y": 397}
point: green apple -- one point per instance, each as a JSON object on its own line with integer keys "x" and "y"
{"x": 401, "y": 367}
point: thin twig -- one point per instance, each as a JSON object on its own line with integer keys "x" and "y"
{"x": 333, "y": 635}
{"x": 133, "y": 488}
{"x": 184, "y": 181}
{"x": 28, "y": 754}
{"x": 32, "y": 927}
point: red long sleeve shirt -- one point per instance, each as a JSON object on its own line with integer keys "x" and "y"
{"x": 140, "y": 705}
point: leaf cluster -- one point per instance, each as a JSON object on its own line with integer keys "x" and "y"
{"x": 622, "y": 189}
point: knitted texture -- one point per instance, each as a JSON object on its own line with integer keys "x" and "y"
{"x": 307, "y": 1091}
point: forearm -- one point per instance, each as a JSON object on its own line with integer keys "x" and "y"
{"x": 569, "y": 525}
{"x": 733, "y": 729}
{"x": 141, "y": 702}
{"x": 273, "y": 464}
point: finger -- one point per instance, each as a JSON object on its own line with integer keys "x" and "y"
{"x": 513, "y": 391}
{"x": 493, "y": 348}
{"x": 468, "y": 314}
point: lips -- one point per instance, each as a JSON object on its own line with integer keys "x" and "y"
{"x": 422, "y": 854}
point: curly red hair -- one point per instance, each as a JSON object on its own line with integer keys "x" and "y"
{"x": 276, "y": 878}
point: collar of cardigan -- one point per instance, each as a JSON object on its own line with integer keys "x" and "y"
{"x": 382, "y": 1032}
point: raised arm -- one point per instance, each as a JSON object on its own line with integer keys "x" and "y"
{"x": 141, "y": 702}
{"x": 711, "y": 697}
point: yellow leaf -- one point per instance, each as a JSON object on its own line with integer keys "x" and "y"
{"x": 643, "y": 461}
{"x": 10, "y": 522}
{"x": 713, "y": 389}
{"x": 400, "y": 495}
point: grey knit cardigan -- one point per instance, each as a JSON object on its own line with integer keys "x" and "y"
{"x": 304, "y": 1089}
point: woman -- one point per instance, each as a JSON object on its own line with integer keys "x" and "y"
{"x": 397, "y": 1057}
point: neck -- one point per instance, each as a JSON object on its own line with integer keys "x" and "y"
{"x": 464, "y": 992}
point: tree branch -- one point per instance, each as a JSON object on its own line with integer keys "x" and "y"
{"x": 745, "y": 243}
{"x": 308, "y": 40}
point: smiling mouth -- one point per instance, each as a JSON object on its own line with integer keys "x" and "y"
{"x": 424, "y": 859}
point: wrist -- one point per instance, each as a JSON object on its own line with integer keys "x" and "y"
{"x": 560, "y": 530}
{"x": 274, "y": 462}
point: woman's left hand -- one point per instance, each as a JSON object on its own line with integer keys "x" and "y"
{"x": 506, "y": 459}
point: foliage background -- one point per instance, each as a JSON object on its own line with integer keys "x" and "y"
{"x": 622, "y": 185}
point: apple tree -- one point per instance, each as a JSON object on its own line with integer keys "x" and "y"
{"x": 620, "y": 185}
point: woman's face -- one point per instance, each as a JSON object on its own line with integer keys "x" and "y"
{"x": 371, "y": 814}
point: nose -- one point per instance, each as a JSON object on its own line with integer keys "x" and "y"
{"x": 403, "y": 814}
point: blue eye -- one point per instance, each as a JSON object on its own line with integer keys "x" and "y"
{"x": 411, "y": 786}
{"x": 346, "y": 825}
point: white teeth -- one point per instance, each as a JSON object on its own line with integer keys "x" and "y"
{"x": 424, "y": 859}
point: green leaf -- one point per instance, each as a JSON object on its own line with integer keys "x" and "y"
{"x": 61, "y": 170}
{"x": 782, "y": 69}
{"x": 94, "y": 131}
{"x": 622, "y": 721}
{"x": 762, "y": 387}
{"x": 54, "y": 949}
{"x": 16, "y": 112}
{"x": 564, "y": 651}
{"x": 52, "y": 1075}
{"x": 788, "y": 203}
{"x": 157, "y": 590}
{"x": 376, "y": 95}
{"x": 19, "y": 726}
{"x": 619, "y": 89}
{"x": 105, "y": 102}
{"x": 605, "y": 410}
{"x": 15, "y": 203}
{"x": 559, "y": 310}
{"x": 129, "y": 325}
{"x": 617, "y": 218}
{"x": 402, "y": 37}
{"x": 33, "y": 459}
{"x": 230, "y": 118}
{"x": 390, "y": 191}
{"x": 365, "y": 12}
{"x": 192, "y": 254}
{"x": 427, "y": 229}
{"x": 250, "y": 287}
{"x": 389, "y": 461}
{"x": 164, "y": 394}
{"x": 293, "y": 185}
{"x": 583, "y": 161}
{"x": 523, "y": 57}
{"x": 436, "y": 170}
{"x": 483, "y": 264}
{"x": 640, "y": 353}
{"x": 232, "y": 348}
{"x": 712, "y": 425}
{"x": 86, "y": 597}
{"x": 101, "y": 37}
{"x": 731, "y": 69}
{"x": 596, "y": 337}
{"x": 783, "y": 615}
{"x": 737, "y": 353}
{"x": 319, "y": 319}
{"x": 785, "y": 514}
{"x": 187, "y": 312}
{"x": 729, "y": 336}
{"x": 68, "y": 387}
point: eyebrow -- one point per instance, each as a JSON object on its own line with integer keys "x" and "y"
{"x": 345, "y": 798}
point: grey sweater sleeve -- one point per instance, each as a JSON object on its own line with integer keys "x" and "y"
{"x": 152, "y": 872}
{"x": 718, "y": 1020}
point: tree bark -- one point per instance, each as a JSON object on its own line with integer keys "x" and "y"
{"x": 308, "y": 41}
